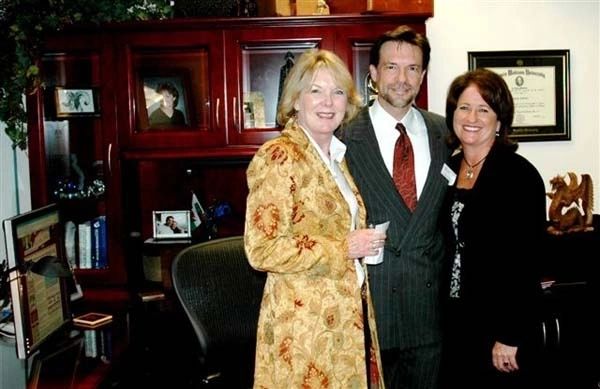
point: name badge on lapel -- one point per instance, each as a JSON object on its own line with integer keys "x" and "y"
{"x": 448, "y": 174}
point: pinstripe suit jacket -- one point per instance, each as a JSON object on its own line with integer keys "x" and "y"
{"x": 406, "y": 287}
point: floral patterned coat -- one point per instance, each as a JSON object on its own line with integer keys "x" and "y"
{"x": 310, "y": 330}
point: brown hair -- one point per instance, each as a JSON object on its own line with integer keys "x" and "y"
{"x": 494, "y": 91}
{"x": 401, "y": 34}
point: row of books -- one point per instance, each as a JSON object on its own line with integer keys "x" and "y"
{"x": 97, "y": 335}
{"x": 98, "y": 343}
{"x": 86, "y": 243}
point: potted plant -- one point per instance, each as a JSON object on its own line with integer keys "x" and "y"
{"x": 23, "y": 26}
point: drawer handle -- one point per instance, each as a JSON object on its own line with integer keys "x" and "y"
{"x": 557, "y": 322}
{"x": 235, "y": 113}
{"x": 109, "y": 159}
{"x": 217, "y": 113}
{"x": 544, "y": 334}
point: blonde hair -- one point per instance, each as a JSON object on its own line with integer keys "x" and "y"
{"x": 300, "y": 79}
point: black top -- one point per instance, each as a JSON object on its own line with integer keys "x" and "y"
{"x": 501, "y": 228}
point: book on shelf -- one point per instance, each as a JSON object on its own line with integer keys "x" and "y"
{"x": 84, "y": 235}
{"x": 98, "y": 242}
{"x": 91, "y": 343}
{"x": 98, "y": 344}
{"x": 92, "y": 319}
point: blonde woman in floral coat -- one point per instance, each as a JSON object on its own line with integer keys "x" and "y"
{"x": 305, "y": 227}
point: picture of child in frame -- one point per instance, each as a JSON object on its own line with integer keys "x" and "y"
{"x": 165, "y": 102}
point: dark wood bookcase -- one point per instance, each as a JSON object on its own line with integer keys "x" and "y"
{"x": 227, "y": 70}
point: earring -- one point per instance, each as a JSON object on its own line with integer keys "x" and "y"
{"x": 497, "y": 134}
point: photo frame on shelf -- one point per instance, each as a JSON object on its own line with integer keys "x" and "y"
{"x": 254, "y": 105}
{"x": 164, "y": 99}
{"x": 74, "y": 102}
{"x": 171, "y": 224}
{"x": 540, "y": 86}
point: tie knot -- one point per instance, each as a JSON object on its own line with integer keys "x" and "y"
{"x": 400, "y": 127}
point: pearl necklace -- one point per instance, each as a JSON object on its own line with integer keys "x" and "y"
{"x": 470, "y": 167}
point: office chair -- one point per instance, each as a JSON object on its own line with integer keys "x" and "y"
{"x": 220, "y": 294}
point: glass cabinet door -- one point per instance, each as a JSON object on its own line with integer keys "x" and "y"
{"x": 260, "y": 61}
{"x": 174, "y": 90}
{"x": 265, "y": 67}
{"x": 77, "y": 159}
{"x": 73, "y": 156}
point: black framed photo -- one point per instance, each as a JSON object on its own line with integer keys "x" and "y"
{"x": 540, "y": 86}
{"x": 163, "y": 99}
{"x": 72, "y": 102}
{"x": 171, "y": 224}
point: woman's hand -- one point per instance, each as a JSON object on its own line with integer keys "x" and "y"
{"x": 364, "y": 242}
{"x": 504, "y": 357}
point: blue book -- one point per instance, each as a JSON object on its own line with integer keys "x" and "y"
{"x": 99, "y": 256}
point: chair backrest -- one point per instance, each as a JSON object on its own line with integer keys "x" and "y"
{"x": 220, "y": 294}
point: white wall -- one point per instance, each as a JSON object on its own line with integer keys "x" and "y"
{"x": 8, "y": 196}
{"x": 459, "y": 26}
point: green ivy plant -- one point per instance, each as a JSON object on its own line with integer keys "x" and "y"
{"x": 23, "y": 27}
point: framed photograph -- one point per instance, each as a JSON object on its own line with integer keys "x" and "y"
{"x": 254, "y": 107}
{"x": 72, "y": 102}
{"x": 163, "y": 100}
{"x": 540, "y": 86}
{"x": 171, "y": 224}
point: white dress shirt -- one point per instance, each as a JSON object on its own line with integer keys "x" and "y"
{"x": 387, "y": 134}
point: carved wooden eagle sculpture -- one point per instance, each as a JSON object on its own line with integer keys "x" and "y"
{"x": 571, "y": 206}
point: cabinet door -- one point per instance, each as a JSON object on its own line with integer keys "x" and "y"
{"x": 173, "y": 89}
{"x": 353, "y": 44}
{"x": 257, "y": 61}
{"x": 73, "y": 161}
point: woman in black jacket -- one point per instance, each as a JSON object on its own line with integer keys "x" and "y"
{"x": 495, "y": 216}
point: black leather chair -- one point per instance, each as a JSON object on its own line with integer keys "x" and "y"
{"x": 220, "y": 294}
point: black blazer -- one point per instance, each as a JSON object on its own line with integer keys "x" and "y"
{"x": 503, "y": 224}
{"x": 405, "y": 287}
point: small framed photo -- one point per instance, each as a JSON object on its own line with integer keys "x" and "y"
{"x": 171, "y": 224}
{"x": 71, "y": 102}
{"x": 254, "y": 110}
{"x": 163, "y": 100}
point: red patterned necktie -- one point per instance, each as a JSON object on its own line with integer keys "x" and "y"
{"x": 404, "y": 168}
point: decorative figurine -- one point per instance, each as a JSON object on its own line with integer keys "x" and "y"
{"x": 283, "y": 72}
{"x": 571, "y": 205}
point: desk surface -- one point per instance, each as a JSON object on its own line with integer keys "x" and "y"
{"x": 84, "y": 360}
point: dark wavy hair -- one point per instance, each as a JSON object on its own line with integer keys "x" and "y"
{"x": 169, "y": 87}
{"x": 495, "y": 92}
{"x": 401, "y": 34}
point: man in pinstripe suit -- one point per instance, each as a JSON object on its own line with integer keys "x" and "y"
{"x": 405, "y": 287}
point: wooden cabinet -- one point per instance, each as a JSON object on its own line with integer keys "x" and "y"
{"x": 192, "y": 62}
{"x": 570, "y": 320}
{"x": 256, "y": 62}
{"x": 73, "y": 150}
{"x": 226, "y": 73}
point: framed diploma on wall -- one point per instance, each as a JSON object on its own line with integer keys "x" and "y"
{"x": 539, "y": 83}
